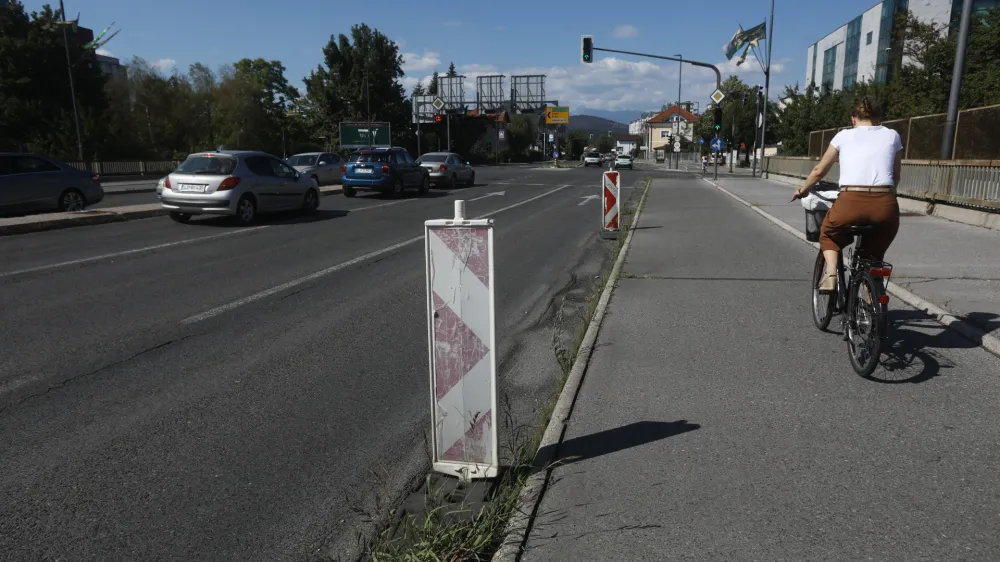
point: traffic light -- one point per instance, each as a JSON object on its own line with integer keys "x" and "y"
{"x": 588, "y": 49}
{"x": 718, "y": 118}
{"x": 437, "y": 118}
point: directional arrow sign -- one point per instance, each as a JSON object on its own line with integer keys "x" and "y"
{"x": 716, "y": 145}
{"x": 587, "y": 199}
{"x": 558, "y": 115}
{"x": 494, "y": 194}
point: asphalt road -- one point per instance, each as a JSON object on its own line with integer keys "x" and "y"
{"x": 203, "y": 391}
{"x": 717, "y": 423}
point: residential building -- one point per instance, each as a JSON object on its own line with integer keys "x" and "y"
{"x": 671, "y": 122}
{"x": 863, "y": 49}
{"x": 111, "y": 66}
{"x": 625, "y": 144}
{"x": 638, "y": 127}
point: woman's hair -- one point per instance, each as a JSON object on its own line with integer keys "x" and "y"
{"x": 868, "y": 110}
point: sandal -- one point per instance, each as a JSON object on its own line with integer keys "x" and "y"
{"x": 829, "y": 283}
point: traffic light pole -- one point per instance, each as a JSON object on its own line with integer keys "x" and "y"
{"x": 718, "y": 78}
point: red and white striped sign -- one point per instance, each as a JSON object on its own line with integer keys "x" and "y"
{"x": 610, "y": 191}
{"x": 462, "y": 344}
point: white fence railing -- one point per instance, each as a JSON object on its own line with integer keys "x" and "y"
{"x": 127, "y": 168}
{"x": 973, "y": 183}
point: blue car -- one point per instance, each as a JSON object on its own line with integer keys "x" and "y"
{"x": 386, "y": 170}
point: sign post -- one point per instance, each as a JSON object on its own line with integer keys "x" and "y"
{"x": 461, "y": 325}
{"x": 610, "y": 191}
{"x": 716, "y": 149}
{"x": 362, "y": 135}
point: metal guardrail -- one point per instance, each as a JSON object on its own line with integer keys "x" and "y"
{"x": 971, "y": 183}
{"x": 127, "y": 168}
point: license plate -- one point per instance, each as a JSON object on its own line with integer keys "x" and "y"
{"x": 363, "y": 170}
{"x": 192, "y": 188}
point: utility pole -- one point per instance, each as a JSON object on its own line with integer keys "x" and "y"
{"x": 72, "y": 87}
{"x": 767, "y": 90}
{"x": 680, "y": 74}
{"x": 756, "y": 132}
{"x": 948, "y": 141}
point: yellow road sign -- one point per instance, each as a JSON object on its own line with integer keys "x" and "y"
{"x": 557, "y": 115}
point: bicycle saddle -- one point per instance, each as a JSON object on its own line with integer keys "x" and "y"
{"x": 859, "y": 228}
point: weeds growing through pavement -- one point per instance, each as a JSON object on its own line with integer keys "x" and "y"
{"x": 446, "y": 531}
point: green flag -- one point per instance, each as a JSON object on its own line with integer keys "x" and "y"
{"x": 734, "y": 44}
{"x": 757, "y": 33}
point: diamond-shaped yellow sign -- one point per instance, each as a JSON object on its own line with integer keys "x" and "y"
{"x": 717, "y": 96}
{"x": 438, "y": 103}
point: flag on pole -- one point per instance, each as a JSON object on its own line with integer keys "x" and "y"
{"x": 734, "y": 44}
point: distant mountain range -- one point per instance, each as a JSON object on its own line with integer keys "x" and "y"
{"x": 620, "y": 116}
{"x": 596, "y": 125}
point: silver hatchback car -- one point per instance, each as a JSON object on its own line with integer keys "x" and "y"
{"x": 236, "y": 183}
{"x": 447, "y": 169}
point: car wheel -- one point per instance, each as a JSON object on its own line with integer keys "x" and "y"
{"x": 310, "y": 202}
{"x": 180, "y": 217}
{"x": 397, "y": 188}
{"x": 71, "y": 200}
{"x": 425, "y": 185}
{"x": 472, "y": 179}
{"x": 349, "y": 191}
{"x": 246, "y": 211}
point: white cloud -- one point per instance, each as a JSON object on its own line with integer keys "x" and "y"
{"x": 164, "y": 65}
{"x": 104, "y": 52}
{"x": 415, "y": 62}
{"x": 610, "y": 84}
{"x": 625, "y": 31}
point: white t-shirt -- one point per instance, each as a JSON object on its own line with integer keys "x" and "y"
{"x": 867, "y": 155}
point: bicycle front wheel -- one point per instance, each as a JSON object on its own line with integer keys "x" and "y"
{"x": 822, "y": 303}
{"x": 866, "y": 324}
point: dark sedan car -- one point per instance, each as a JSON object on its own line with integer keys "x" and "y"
{"x": 32, "y": 183}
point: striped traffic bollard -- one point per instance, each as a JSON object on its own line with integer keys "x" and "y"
{"x": 610, "y": 209}
{"x": 461, "y": 319}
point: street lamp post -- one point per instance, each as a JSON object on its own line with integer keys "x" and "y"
{"x": 767, "y": 93}
{"x": 680, "y": 74}
{"x": 72, "y": 87}
{"x": 948, "y": 141}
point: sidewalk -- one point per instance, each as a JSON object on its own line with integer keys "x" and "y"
{"x": 716, "y": 423}
{"x": 953, "y": 265}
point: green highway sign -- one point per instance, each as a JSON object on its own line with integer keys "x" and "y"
{"x": 360, "y": 135}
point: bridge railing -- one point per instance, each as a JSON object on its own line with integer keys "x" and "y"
{"x": 970, "y": 183}
{"x": 128, "y": 168}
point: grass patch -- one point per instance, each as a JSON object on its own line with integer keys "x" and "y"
{"x": 449, "y": 528}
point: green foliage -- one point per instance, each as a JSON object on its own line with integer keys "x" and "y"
{"x": 921, "y": 88}
{"x": 576, "y": 141}
{"x": 605, "y": 144}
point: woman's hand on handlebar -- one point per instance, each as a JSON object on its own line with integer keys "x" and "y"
{"x": 801, "y": 192}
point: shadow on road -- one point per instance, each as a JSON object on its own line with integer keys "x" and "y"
{"x": 913, "y": 351}
{"x": 613, "y": 440}
{"x": 287, "y": 217}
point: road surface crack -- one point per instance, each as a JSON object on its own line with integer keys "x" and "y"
{"x": 78, "y": 377}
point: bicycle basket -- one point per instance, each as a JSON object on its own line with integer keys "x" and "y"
{"x": 814, "y": 220}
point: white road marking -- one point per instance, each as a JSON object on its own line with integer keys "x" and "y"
{"x": 128, "y": 252}
{"x": 587, "y": 199}
{"x": 494, "y": 194}
{"x": 211, "y": 313}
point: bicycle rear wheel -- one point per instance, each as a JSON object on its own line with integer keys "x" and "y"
{"x": 866, "y": 325}
{"x": 822, "y": 303}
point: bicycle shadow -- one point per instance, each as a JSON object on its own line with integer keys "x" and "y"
{"x": 913, "y": 351}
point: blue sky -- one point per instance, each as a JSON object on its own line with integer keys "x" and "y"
{"x": 507, "y": 37}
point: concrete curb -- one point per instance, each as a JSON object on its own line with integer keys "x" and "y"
{"x": 972, "y": 332}
{"x": 954, "y": 213}
{"x": 57, "y": 221}
{"x": 534, "y": 488}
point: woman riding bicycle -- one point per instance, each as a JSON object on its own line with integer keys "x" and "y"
{"x": 870, "y": 158}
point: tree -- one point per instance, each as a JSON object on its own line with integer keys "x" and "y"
{"x": 451, "y": 70}
{"x": 520, "y": 134}
{"x": 576, "y": 141}
{"x": 360, "y": 73}
{"x": 432, "y": 87}
{"x": 605, "y": 143}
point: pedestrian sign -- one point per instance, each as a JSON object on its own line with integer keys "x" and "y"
{"x": 716, "y": 145}
{"x": 502, "y": 134}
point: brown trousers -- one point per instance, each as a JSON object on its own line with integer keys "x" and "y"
{"x": 880, "y": 210}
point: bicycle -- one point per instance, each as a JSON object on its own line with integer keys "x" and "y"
{"x": 863, "y": 305}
